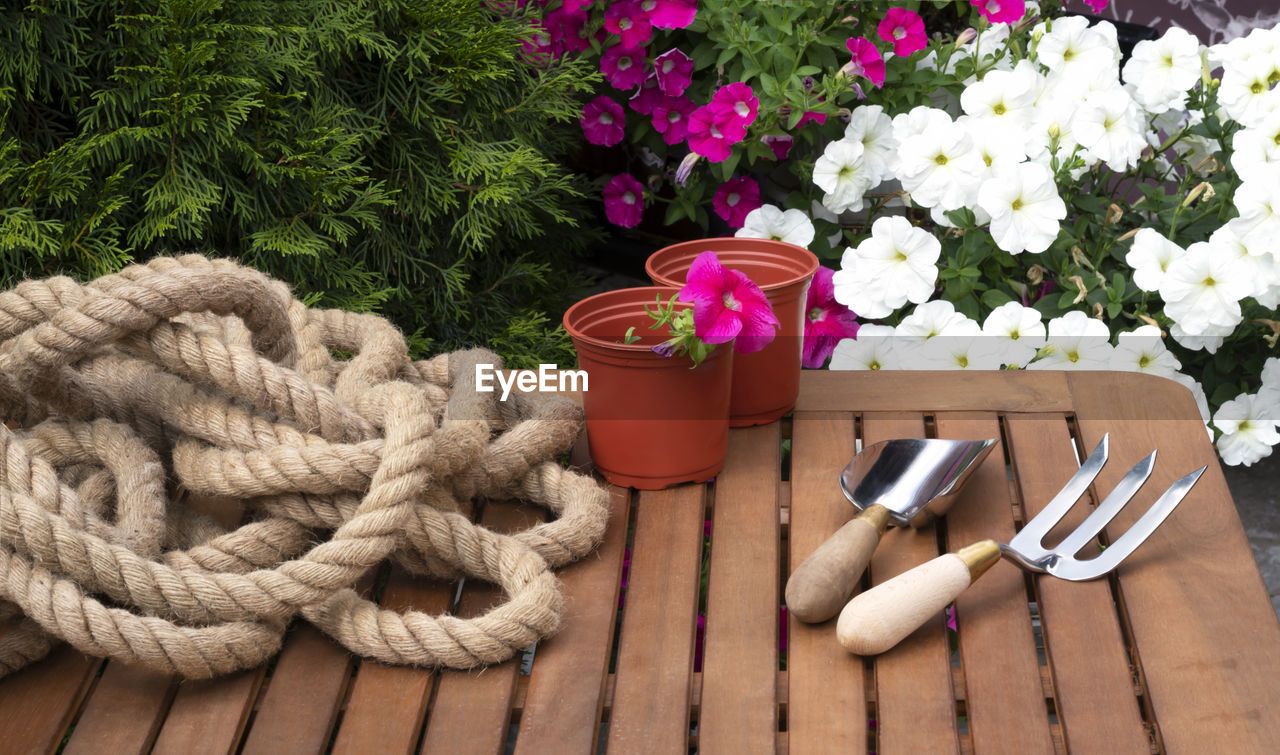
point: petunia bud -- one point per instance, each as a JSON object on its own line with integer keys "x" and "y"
{"x": 965, "y": 37}
{"x": 1128, "y": 235}
{"x": 1201, "y": 188}
{"x": 686, "y": 167}
{"x": 1114, "y": 213}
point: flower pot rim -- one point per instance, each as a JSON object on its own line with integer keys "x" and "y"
{"x": 809, "y": 259}
{"x": 633, "y": 348}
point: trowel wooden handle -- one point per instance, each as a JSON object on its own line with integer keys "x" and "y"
{"x": 883, "y": 616}
{"x": 824, "y": 581}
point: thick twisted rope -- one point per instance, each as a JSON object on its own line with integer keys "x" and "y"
{"x": 212, "y": 374}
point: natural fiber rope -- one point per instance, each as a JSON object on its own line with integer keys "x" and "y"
{"x": 212, "y": 374}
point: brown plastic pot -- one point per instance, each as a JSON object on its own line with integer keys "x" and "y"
{"x": 765, "y": 382}
{"x": 652, "y": 421}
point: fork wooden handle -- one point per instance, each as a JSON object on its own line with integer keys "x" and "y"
{"x": 822, "y": 584}
{"x": 883, "y": 616}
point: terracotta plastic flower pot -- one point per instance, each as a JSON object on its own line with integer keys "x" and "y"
{"x": 652, "y": 421}
{"x": 765, "y": 382}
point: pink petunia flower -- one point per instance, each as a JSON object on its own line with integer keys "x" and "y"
{"x": 812, "y": 115}
{"x": 735, "y": 198}
{"x": 780, "y": 144}
{"x": 712, "y": 137}
{"x": 671, "y": 118}
{"x": 647, "y": 96}
{"x": 737, "y": 102}
{"x": 1097, "y": 5}
{"x": 541, "y": 47}
{"x": 1001, "y": 11}
{"x": 867, "y": 60}
{"x": 602, "y": 121}
{"x": 628, "y": 21}
{"x": 904, "y": 29}
{"x": 624, "y": 201}
{"x": 727, "y": 305}
{"x": 674, "y": 71}
{"x": 623, "y": 67}
{"x": 565, "y": 27}
{"x": 670, "y": 14}
{"x": 826, "y": 321}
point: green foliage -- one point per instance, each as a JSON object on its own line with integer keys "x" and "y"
{"x": 398, "y": 156}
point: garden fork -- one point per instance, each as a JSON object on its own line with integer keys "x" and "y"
{"x": 879, "y": 618}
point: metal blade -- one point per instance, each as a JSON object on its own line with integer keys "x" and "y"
{"x": 1078, "y": 571}
{"x": 1107, "y": 510}
{"x": 1027, "y": 542}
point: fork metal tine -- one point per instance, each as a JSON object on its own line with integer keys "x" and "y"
{"x": 1120, "y": 495}
{"x": 1027, "y": 541}
{"x": 1077, "y": 570}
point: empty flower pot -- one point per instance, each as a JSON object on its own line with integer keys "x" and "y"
{"x": 652, "y": 421}
{"x": 765, "y": 382}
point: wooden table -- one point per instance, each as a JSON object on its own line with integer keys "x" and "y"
{"x": 1179, "y": 651}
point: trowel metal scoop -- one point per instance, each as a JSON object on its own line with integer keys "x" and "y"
{"x": 909, "y": 482}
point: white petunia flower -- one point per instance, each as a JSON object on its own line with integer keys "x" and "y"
{"x": 1141, "y": 350}
{"x": 1210, "y": 340}
{"x": 1271, "y": 373}
{"x": 1261, "y": 269}
{"x": 1074, "y": 48}
{"x": 896, "y": 264}
{"x": 1109, "y": 125}
{"x": 1197, "y": 392}
{"x": 1256, "y": 151}
{"x": 1150, "y": 257}
{"x": 1245, "y": 93}
{"x": 1024, "y": 206}
{"x": 841, "y": 172}
{"x": 1258, "y": 202}
{"x": 1202, "y": 290}
{"x": 1248, "y": 428}
{"x": 1005, "y": 98}
{"x": 1016, "y": 332}
{"x": 1162, "y": 70}
{"x": 1076, "y": 342}
{"x": 963, "y": 348}
{"x": 931, "y": 319}
{"x": 869, "y": 126}
{"x": 873, "y": 349}
{"x": 770, "y": 222}
{"x": 938, "y": 167}
{"x": 913, "y": 123}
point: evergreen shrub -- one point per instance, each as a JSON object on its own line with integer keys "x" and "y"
{"x": 396, "y": 156}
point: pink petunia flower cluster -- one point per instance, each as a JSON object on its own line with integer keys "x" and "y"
{"x": 1001, "y": 11}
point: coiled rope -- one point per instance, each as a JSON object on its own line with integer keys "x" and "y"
{"x": 212, "y": 374}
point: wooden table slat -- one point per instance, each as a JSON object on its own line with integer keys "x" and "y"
{"x": 566, "y": 688}
{"x": 655, "y": 655}
{"x": 124, "y": 712}
{"x": 740, "y": 666}
{"x": 38, "y": 702}
{"x": 1195, "y": 573}
{"x": 472, "y": 709}
{"x": 1082, "y": 634}
{"x": 209, "y": 716}
{"x": 387, "y": 704}
{"x": 297, "y": 711}
{"x": 933, "y": 391}
{"x": 915, "y": 707}
{"x": 826, "y": 698}
{"x": 1004, "y": 700}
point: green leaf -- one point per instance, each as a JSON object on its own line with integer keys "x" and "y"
{"x": 995, "y": 298}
